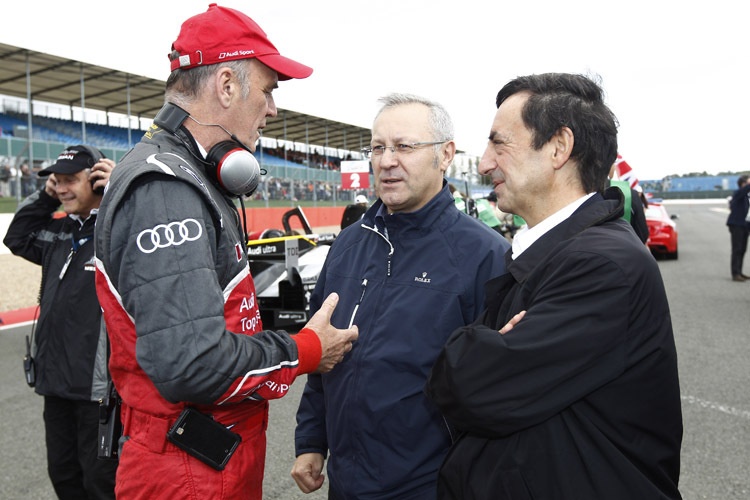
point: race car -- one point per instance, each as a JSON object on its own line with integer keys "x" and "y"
{"x": 662, "y": 231}
{"x": 285, "y": 267}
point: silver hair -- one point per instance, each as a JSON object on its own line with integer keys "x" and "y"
{"x": 184, "y": 86}
{"x": 439, "y": 120}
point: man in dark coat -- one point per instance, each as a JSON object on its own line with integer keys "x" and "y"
{"x": 566, "y": 387}
{"x": 739, "y": 226}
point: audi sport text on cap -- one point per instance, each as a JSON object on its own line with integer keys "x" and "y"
{"x": 70, "y": 161}
{"x": 224, "y": 34}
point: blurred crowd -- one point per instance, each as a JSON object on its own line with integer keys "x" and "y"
{"x": 9, "y": 180}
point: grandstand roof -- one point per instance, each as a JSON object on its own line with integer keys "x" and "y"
{"x": 58, "y": 80}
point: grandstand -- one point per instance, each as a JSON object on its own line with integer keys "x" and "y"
{"x": 64, "y": 131}
{"x": 110, "y": 138}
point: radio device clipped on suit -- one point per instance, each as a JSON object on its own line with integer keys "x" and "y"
{"x": 110, "y": 424}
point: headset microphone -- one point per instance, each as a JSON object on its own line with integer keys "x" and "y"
{"x": 230, "y": 163}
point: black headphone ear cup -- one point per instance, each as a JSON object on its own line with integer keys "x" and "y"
{"x": 234, "y": 168}
{"x": 96, "y": 155}
{"x": 96, "y": 190}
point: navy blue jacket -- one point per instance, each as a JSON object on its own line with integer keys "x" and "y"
{"x": 738, "y": 207}
{"x": 412, "y": 279}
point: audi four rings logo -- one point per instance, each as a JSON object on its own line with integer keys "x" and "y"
{"x": 166, "y": 235}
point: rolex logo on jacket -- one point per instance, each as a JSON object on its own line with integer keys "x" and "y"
{"x": 423, "y": 278}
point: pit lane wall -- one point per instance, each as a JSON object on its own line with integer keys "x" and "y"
{"x": 260, "y": 218}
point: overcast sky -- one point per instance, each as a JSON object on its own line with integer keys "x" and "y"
{"x": 675, "y": 72}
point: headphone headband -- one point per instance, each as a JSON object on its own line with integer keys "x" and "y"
{"x": 94, "y": 153}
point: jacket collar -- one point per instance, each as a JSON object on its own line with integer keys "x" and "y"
{"x": 420, "y": 220}
{"x": 181, "y": 138}
{"x": 595, "y": 211}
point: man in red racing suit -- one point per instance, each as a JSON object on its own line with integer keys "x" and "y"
{"x": 173, "y": 278}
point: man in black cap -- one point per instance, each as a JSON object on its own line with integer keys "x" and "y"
{"x": 71, "y": 341}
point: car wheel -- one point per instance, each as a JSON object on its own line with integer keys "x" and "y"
{"x": 673, "y": 255}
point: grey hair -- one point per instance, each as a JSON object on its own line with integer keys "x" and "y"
{"x": 439, "y": 120}
{"x": 184, "y": 86}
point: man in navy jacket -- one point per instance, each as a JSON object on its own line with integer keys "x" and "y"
{"x": 739, "y": 226}
{"x": 408, "y": 273}
{"x": 566, "y": 387}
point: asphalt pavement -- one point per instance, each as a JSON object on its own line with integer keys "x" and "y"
{"x": 711, "y": 321}
{"x": 711, "y": 318}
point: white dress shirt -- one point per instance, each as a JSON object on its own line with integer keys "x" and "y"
{"x": 525, "y": 237}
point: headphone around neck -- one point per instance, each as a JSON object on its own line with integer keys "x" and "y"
{"x": 230, "y": 164}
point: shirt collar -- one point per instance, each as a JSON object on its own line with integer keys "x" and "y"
{"x": 81, "y": 221}
{"x": 201, "y": 149}
{"x": 380, "y": 219}
{"x": 525, "y": 237}
{"x": 420, "y": 219}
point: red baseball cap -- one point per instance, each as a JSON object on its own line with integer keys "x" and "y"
{"x": 223, "y": 34}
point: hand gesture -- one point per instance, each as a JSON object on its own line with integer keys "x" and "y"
{"x": 333, "y": 342}
{"x": 50, "y": 187}
{"x": 100, "y": 172}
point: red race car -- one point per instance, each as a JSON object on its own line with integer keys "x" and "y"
{"x": 662, "y": 231}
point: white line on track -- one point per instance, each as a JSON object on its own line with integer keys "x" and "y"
{"x": 14, "y": 325}
{"x": 716, "y": 406}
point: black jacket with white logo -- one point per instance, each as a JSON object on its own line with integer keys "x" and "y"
{"x": 70, "y": 338}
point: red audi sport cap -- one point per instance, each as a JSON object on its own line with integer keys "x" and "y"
{"x": 224, "y": 34}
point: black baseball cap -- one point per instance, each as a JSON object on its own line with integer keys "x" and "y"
{"x": 73, "y": 159}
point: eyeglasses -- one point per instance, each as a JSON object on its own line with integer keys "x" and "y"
{"x": 402, "y": 149}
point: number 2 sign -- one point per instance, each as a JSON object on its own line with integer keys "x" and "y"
{"x": 355, "y": 174}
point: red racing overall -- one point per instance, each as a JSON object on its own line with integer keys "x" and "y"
{"x": 179, "y": 302}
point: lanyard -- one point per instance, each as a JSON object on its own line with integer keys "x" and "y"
{"x": 76, "y": 245}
